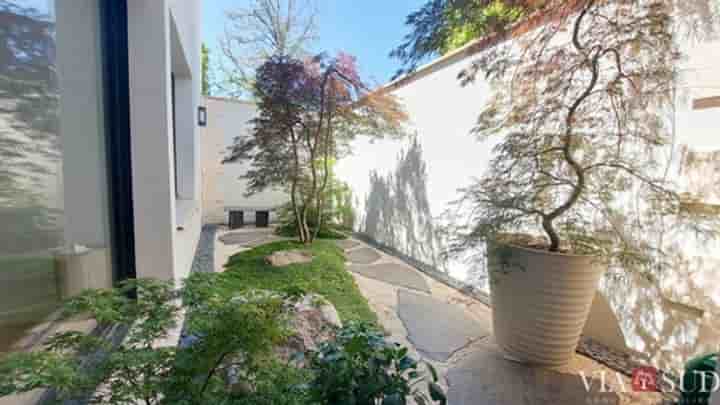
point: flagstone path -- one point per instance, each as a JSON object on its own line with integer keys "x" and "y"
{"x": 453, "y": 332}
{"x": 437, "y": 328}
{"x": 363, "y": 255}
{"x": 392, "y": 273}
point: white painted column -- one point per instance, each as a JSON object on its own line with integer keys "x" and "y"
{"x": 151, "y": 133}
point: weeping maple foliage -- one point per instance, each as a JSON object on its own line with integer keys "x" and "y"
{"x": 580, "y": 114}
{"x": 309, "y": 112}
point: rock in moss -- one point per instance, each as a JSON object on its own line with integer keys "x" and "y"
{"x": 284, "y": 258}
{"x": 313, "y": 320}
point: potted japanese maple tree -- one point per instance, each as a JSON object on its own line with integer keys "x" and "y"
{"x": 578, "y": 182}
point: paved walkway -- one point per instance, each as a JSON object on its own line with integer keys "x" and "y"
{"x": 204, "y": 259}
{"x": 394, "y": 274}
{"x": 454, "y": 333}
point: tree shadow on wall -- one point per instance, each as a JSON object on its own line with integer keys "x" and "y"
{"x": 397, "y": 209}
{"x": 30, "y": 150}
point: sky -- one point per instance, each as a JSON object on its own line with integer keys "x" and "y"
{"x": 368, "y": 29}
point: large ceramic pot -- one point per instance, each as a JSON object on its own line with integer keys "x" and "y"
{"x": 540, "y": 301}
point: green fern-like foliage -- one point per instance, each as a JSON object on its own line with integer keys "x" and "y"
{"x": 238, "y": 332}
{"x": 227, "y": 353}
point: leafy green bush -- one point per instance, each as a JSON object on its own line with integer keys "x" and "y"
{"x": 360, "y": 367}
{"x": 227, "y": 335}
{"x": 288, "y": 224}
{"x": 343, "y": 212}
{"x": 278, "y": 384}
{"x": 225, "y": 358}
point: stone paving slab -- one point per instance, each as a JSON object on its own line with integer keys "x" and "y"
{"x": 437, "y": 328}
{"x": 363, "y": 256}
{"x": 393, "y": 273}
{"x": 241, "y": 238}
{"x": 204, "y": 260}
{"x": 263, "y": 241}
{"x": 347, "y": 244}
{"x": 485, "y": 377}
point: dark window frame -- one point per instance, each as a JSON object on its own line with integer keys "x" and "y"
{"x": 116, "y": 82}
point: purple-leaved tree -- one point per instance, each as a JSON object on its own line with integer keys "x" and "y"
{"x": 309, "y": 112}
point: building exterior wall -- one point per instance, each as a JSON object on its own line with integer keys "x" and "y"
{"x": 405, "y": 187}
{"x": 66, "y": 209}
{"x": 164, "y": 40}
{"x": 223, "y": 186}
{"x": 212, "y": 152}
{"x": 65, "y": 166}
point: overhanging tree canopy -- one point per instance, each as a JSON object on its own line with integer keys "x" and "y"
{"x": 441, "y": 26}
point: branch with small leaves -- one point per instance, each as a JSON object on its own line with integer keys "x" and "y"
{"x": 579, "y": 110}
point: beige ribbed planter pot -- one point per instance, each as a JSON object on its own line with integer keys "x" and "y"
{"x": 540, "y": 301}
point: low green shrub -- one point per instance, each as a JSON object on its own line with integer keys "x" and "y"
{"x": 360, "y": 367}
{"x": 233, "y": 322}
{"x": 279, "y": 384}
{"x": 288, "y": 225}
{"x": 225, "y": 334}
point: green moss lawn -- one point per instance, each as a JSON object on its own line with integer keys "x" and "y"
{"x": 325, "y": 275}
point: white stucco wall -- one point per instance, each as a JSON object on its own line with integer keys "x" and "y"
{"x": 223, "y": 186}
{"x": 164, "y": 38}
{"x": 387, "y": 180}
{"x": 441, "y": 114}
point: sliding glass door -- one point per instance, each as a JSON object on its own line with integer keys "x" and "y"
{"x": 60, "y": 212}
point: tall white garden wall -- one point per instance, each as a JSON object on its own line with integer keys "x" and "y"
{"x": 223, "y": 185}
{"x": 403, "y": 188}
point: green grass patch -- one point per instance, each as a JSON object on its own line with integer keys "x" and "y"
{"x": 325, "y": 275}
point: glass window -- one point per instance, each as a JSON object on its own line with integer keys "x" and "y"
{"x": 54, "y": 209}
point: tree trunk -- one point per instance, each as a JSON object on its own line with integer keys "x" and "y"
{"x": 305, "y": 228}
{"x": 299, "y": 219}
{"x": 312, "y": 194}
{"x": 320, "y": 203}
{"x": 579, "y": 187}
{"x": 296, "y": 210}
